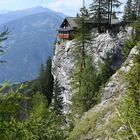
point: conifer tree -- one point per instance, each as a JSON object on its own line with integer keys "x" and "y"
{"x": 114, "y": 5}
{"x": 136, "y": 5}
{"x": 3, "y": 37}
{"x": 49, "y": 80}
{"x": 129, "y": 14}
{"x": 87, "y": 84}
{"x": 101, "y": 12}
{"x": 57, "y": 103}
{"x": 85, "y": 88}
{"x": 86, "y": 80}
{"x": 82, "y": 37}
{"x": 44, "y": 83}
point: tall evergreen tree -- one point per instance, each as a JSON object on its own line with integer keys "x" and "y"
{"x": 45, "y": 81}
{"x": 49, "y": 80}
{"x": 85, "y": 89}
{"x": 99, "y": 12}
{"x": 129, "y": 12}
{"x": 3, "y": 37}
{"x": 87, "y": 84}
{"x": 102, "y": 11}
{"x": 83, "y": 35}
{"x": 136, "y": 5}
{"x": 57, "y": 103}
{"x": 82, "y": 38}
{"x": 113, "y": 6}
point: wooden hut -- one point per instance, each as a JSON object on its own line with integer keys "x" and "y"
{"x": 68, "y": 28}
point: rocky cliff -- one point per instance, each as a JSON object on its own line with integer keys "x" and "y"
{"x": 98, "y": 122}
{"x": 102, "y": 46}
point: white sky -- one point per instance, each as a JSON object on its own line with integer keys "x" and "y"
{"x": 68, "y": 7}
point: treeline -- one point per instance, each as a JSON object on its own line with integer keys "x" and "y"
{"x": 102, "y": 12}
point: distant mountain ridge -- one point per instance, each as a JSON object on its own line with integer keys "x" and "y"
{"x": 29, "y": 44}
{"x": 13, "y": 15}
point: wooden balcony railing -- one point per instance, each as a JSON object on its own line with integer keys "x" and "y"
{"x": 64, "y": 36}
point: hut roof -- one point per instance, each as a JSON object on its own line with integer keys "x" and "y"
{"x": 71, "y": 21}
{"x": 73, "y": 24}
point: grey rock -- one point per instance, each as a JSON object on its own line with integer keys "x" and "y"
{"x": 102, "y": 46}
{"x": 116, "y": 83}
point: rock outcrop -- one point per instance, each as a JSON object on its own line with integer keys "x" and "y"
{"x": 116, "y": 83}
{"x": 102, "y": 46}
{"x": 96, "y": 124}
{"x": 62, "y": 69}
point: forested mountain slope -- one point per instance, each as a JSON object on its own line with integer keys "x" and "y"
{"x": 30, "y": 42}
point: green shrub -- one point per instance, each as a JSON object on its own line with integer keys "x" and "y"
{"x": 40, "y": 123}
{"x": 129, "y": 44}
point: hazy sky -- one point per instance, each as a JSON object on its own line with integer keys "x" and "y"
{"x": 68, "y": 7}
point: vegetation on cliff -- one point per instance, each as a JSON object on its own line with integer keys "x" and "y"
{"x": 37, "y": 112}
{"x": 119, "y": 119}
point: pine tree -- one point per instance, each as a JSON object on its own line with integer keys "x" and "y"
{"x": 45, "y": 81}
{"x": 102, "y": 11}
{"x": 49, "y": 80}
{"x": 87, "y": 84}
{"x": 136, "y": 6}
{"x": 57, "y": 103}
{"x": 99, "y": 12}
{"x": 85, "y": 88}
{"x": 113, "y": 8}
{"x": 3, "y": 37}
{"x": 129, "y": 14}
{"x": 82, "y": 37}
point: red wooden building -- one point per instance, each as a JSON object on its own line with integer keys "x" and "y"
{"x": 67, "y": 28}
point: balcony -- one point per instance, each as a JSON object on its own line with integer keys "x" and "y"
{"x": 64, "y": 36}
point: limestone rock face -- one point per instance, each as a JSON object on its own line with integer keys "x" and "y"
{"x": 102, "y": 46}
{"x": 108, "y": 45}
{"x": 62, "y": 69}
{"x": 116, "y": 83}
